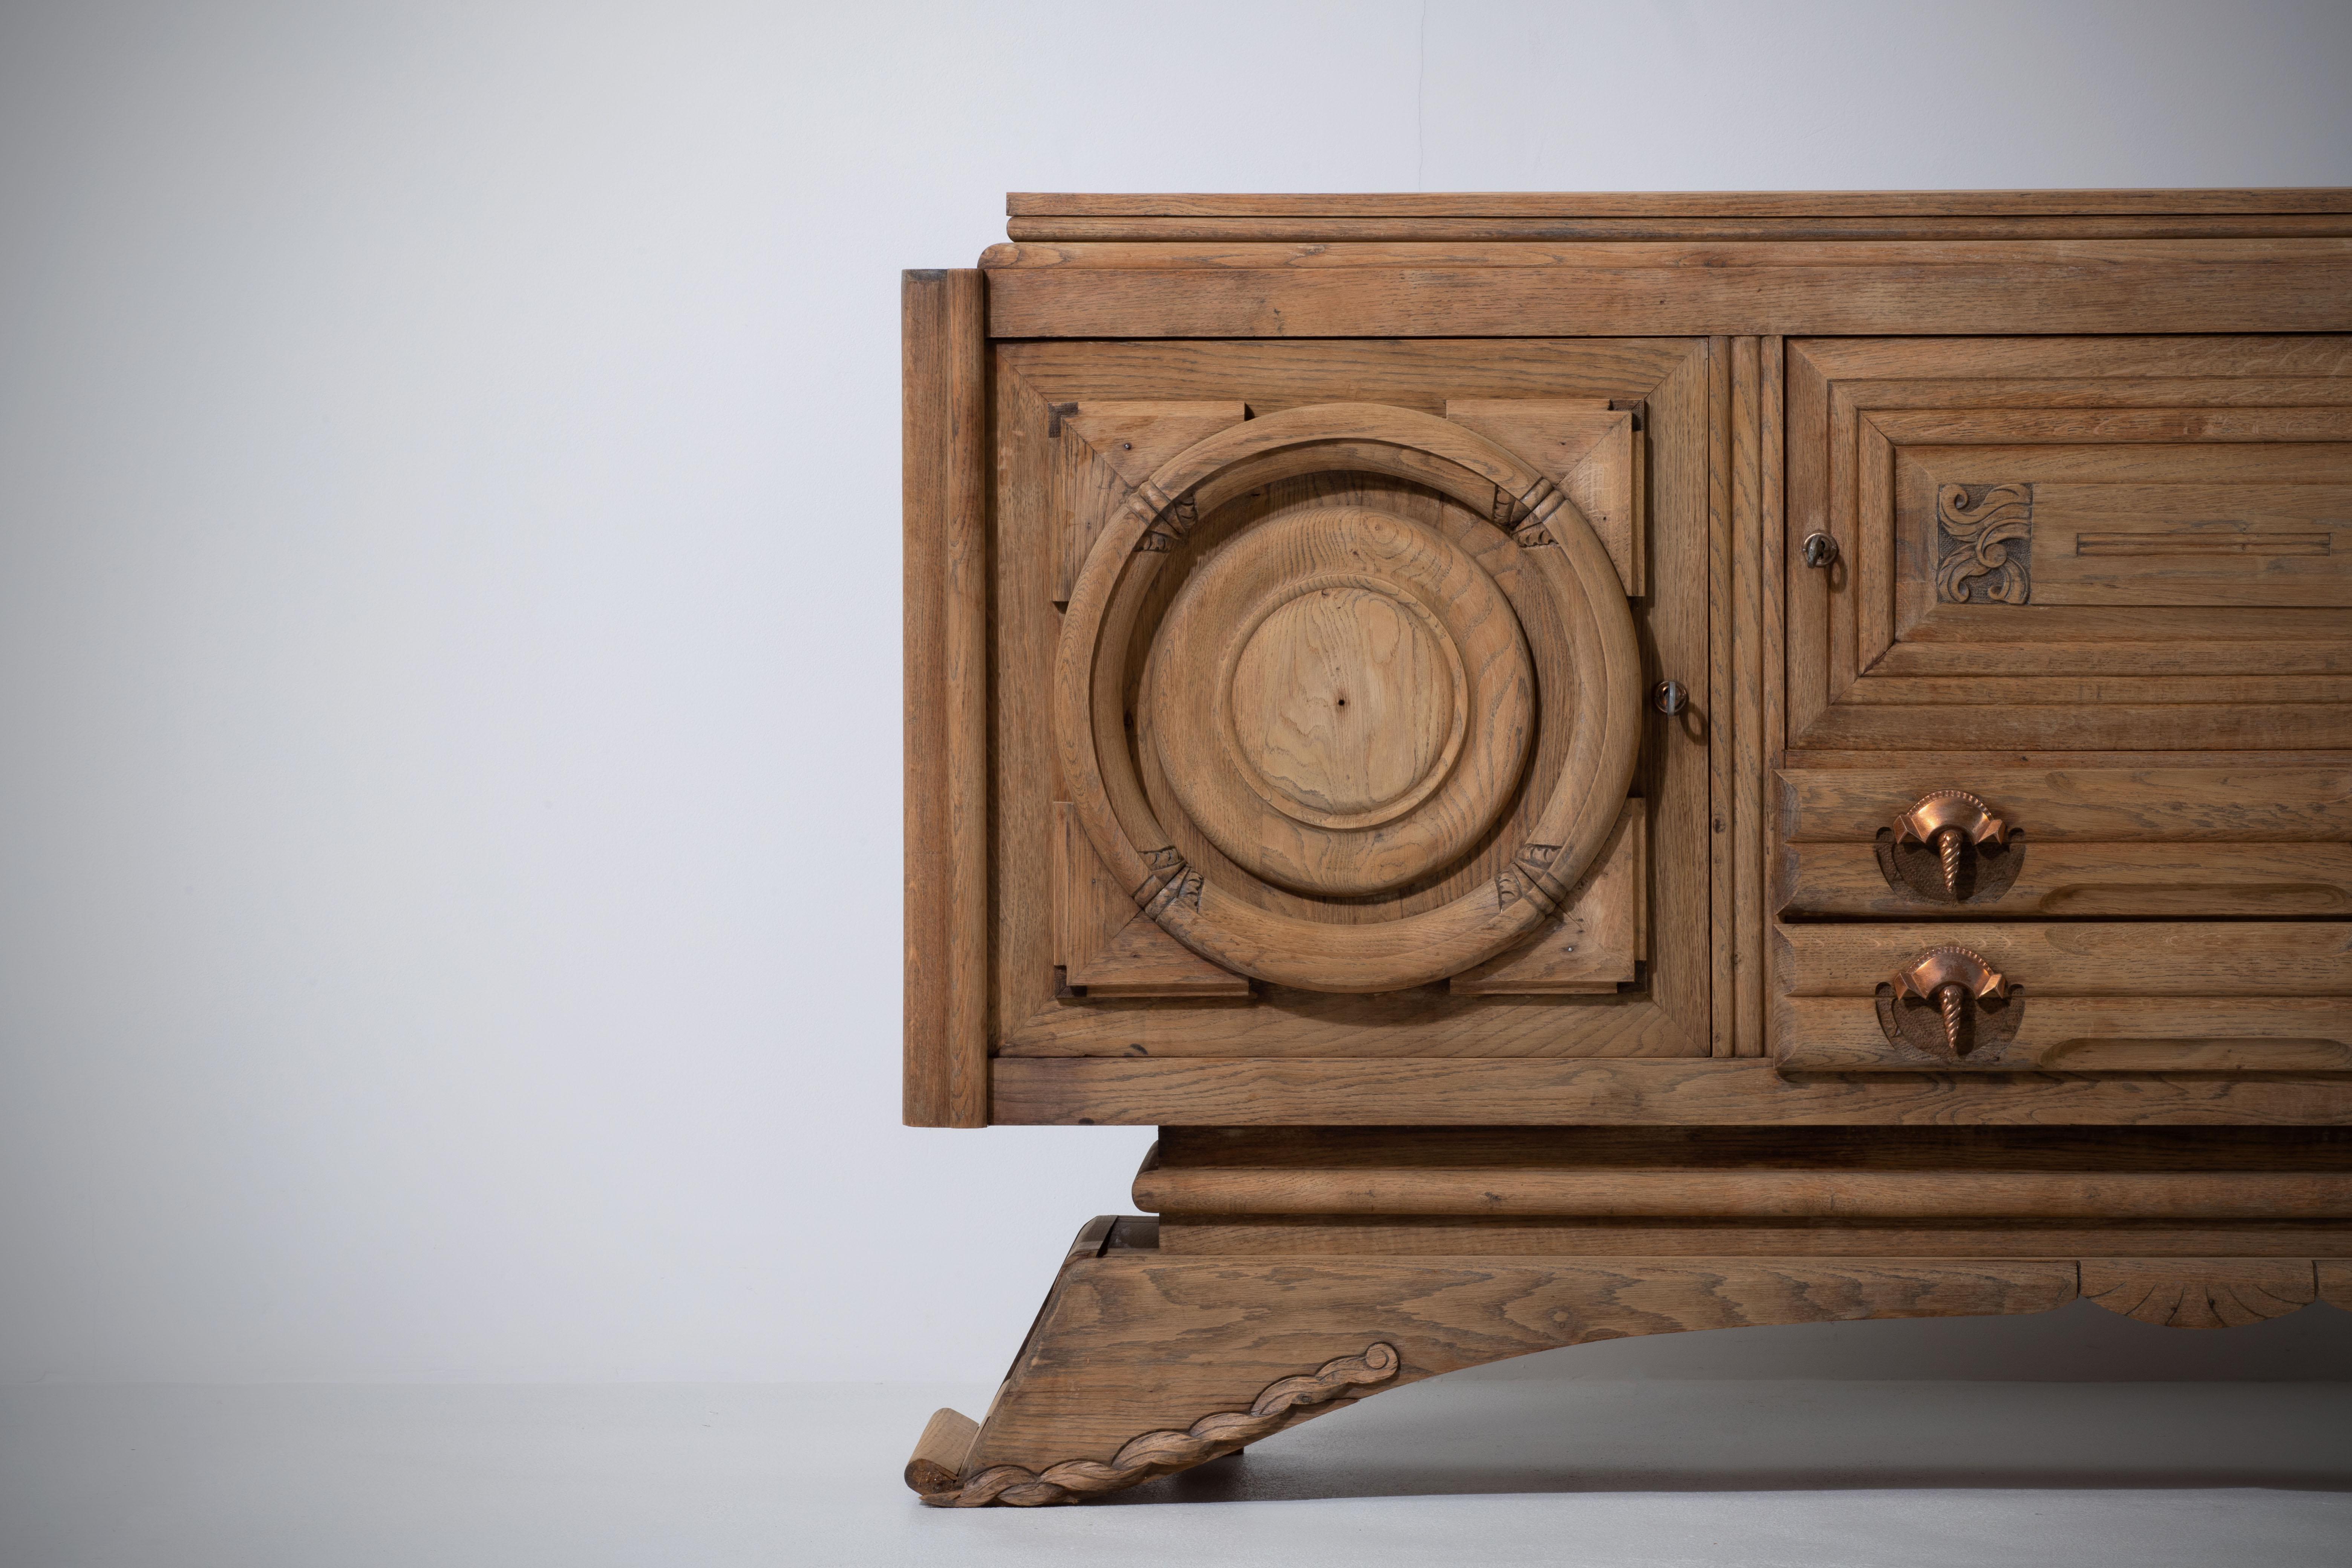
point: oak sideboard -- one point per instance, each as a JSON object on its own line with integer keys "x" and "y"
{"x": 1614, "y": 764}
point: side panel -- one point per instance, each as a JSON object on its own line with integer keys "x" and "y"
{"x": 946, "y": 568}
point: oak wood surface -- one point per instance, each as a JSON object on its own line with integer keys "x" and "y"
{"x": 1238, "y": 932}
{"x": 1149, "y": 255}
{"x": 2083, "y": 880}
{"x": 1102, "y": 943}
{"x": 1593, "y": 452}
{"x": 1196, "y": 232}
{"x": 2164, "y": 1034}
{"x": 2225, "y": 293}
{"x": 937, "y": 1462}
{"x": 1598, "y": 937}
{"x": 2335, "y": 1283}
{"x": 1666, "y": 1193}
{"x": 1474, "y": 1091}
{"x": 2147, "y": 798}
{"x": 946, "y": 673}
{"x": 1451, "y": 1234}
{"x": 1911, "y": 1148}
{"x": 1037, "y": 379}
{"x": 1696, "y": 204}
{"x": 2124, "y": 959}
{"x": 1138, "y": 1342}
{"x": 2199, "y": 1293}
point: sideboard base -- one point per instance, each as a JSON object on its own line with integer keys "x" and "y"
{"x": 1143, "y": 1363}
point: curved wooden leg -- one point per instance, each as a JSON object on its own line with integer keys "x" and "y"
{"x": 1142, "y": 1364}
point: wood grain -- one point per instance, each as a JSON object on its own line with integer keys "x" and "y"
{"x": 2146, "y": 799}
{"x": 1102, "y": 944}
{"x": 1154, "y": 255}
{"x": 1453, "y": 1235}
{"x": 1203, "y": 233}
{"x": 1236, "y": 932}
{"x": 1592, "y": 450}
{"x": 2264, "y": 1034}
{"x": 2335, "y": 1283}
{"x": 1666, "y": 1193}
{"x": 2083, "y": 880}
{"x": 2226, "y": 293}
{"x": 1132, "y": 1343}
{"x": 1108, "y": 446}
{"x": 1686, "y": 203}
{"x": 946, "y": 555}
{"x": 2045, "y": 500}
{"x": 2137, "y": 958}
{"x": 2199, "y": 1293}
{"x": 1592, "y": 946}
{"x": 937, "y": 1462}
{"x": 1472, "y": 1091}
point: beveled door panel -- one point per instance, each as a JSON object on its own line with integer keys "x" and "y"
{"x": 2070, "y": 544}
{"x": 1332, "y": 718}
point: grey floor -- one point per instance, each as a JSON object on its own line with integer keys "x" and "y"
{"x": 1505, "y": 1465}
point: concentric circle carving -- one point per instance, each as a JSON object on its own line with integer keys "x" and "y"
{"x": 1342, "y": 702}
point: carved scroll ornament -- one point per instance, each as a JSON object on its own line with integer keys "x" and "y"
{"x": 1985, "y": 544}
{"x": 1160, "y": 1453}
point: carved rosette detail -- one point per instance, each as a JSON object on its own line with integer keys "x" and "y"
{"x": 1160, "y": 1453}
{"x": 1984, "y": 545}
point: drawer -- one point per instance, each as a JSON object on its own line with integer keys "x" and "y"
{"x": 2026, "y": 878}
{"x": 2091, "y": 996}
{"x": 1961, "y": 841}
{"x": 2070, "y": 544}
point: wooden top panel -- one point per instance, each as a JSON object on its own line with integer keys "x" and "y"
{"x": 1688, "y": 204}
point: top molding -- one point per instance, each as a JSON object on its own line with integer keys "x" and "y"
{"x": 1677, "y": 215}
{"x": 2276, "y": 200}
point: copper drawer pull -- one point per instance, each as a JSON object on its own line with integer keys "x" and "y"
{"x": 1948, "y": 976}
{"x": 1949, "y": 819}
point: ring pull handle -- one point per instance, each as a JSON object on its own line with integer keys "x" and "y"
{"x": 1951, "y": 819}
{"x": 1948, "y": 976}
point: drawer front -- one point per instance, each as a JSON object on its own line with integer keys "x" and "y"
{"x": 2024, "y": 878}
{"x": 2071, "y": 544}
{"x": 1959, "y": 840}
{"x": 2092, "y": 997}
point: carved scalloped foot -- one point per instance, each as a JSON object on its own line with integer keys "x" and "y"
{"x": 1141, "y": 1364}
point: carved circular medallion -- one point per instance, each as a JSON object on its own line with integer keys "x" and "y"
{"x": 1342, "y": 700}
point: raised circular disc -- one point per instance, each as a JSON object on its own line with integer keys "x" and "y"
{"x": 1599, "y": 701}
{"x": 1341, "y": 700}
{"x": 1347, "y": 705}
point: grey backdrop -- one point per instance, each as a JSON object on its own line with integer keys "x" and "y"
{"x": 448, "y": 626}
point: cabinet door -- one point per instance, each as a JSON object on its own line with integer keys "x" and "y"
{"x": 2071, "y": 543}
{"x": 1319, "y": 699}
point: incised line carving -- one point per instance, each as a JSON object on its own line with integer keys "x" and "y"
{"x": 1985, "y": 544}
{"x": 1526, "y": 877}
{"x": 1160, "y": 1453}
{"x": 1172, "y": 518}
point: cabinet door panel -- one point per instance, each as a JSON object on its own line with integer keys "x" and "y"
{"x": 1313, "y": 735}
{"x": 2070, "y": 544}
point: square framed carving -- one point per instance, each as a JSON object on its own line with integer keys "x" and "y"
{"x": 1305, "y": 707}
